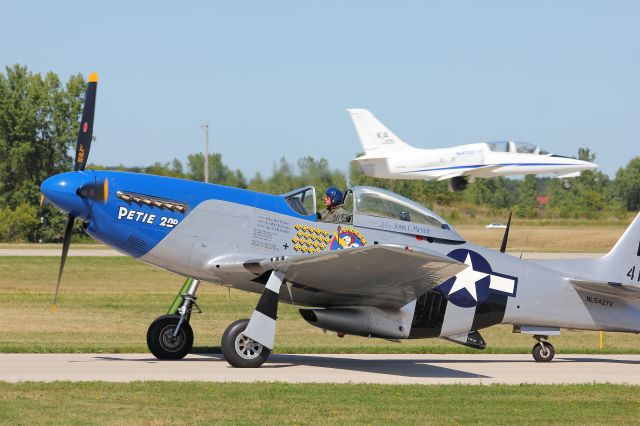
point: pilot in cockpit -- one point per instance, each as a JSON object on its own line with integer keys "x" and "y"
{"x": 334, "y": 213}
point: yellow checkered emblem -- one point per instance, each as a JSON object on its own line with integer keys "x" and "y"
{"x": 310, "y": 239}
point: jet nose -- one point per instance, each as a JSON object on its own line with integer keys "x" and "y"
{"x": 592, "y": 166}
{"x": 60, "y": 190}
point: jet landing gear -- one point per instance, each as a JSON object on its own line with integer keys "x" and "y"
{"x": 170, "y": 336}
{"x": 543, "y": 351}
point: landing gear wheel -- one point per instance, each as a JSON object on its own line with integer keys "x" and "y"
{"x": 241, "y": 351}
{"x": 162, "y": 343}
{"x": 543, "y": 352}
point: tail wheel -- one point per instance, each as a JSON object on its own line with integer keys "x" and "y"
{"x": 543, "y": 352}
{"x": 241, "y": 351}
{"x": 161, "y": 340}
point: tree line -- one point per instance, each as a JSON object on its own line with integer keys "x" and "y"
{"x": 39, "y": 116}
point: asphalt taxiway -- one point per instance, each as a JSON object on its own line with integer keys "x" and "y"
{"x": 384, "y": 369}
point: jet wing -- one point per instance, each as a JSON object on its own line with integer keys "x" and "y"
{"x": 569, "y": 175}
{"x": 624, "y": 291}
{"x": 476, "y": 171}
{"x": 380, "y": 275}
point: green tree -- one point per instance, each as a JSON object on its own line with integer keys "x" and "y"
{"x": 627, "y": 185}
{"x": 19, "y": 224}
{"x": 527, "y": 202}
{"x": 309, "y": 171}
{"x": 587, "y": 196}
{"x": 218, "y": 172}
{"x": 173, "y": 169}
{"x": 495, "y": 193}
{"x": 38, "y": 127}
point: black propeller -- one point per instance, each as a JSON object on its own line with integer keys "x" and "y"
{"x": 97, "y": 191}
{"x": 65, "y": 249}
{"x": 85, "y": 133}
{"x": 503, "y": 246}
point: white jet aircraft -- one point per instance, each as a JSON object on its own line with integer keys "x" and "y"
{"x": 387, "y": 156}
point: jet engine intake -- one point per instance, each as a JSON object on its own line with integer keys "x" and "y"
{"x": 458, "y": 183}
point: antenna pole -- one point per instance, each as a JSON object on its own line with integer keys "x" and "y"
{"x": 205, "y": 127}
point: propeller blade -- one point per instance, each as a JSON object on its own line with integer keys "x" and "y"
{"x": 503, "y": 247}
{"x": 65, "y": 249}
{"x": 98, "y": 191}
{"x": 86, "y": 125}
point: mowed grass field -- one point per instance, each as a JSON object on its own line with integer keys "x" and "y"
{"x": 268, "y": 403}
{"x": 106, "y": 305}
{"x": 552, "y": 238}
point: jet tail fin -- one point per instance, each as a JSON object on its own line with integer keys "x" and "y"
{"x": 374, "y": 136}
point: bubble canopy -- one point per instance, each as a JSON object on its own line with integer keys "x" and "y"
{"x": 382, "y": 209}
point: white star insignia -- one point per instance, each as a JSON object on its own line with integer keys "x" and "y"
{"x": 467, "y": 278}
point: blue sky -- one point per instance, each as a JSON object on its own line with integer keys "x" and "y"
{"x": 274, "y": 78}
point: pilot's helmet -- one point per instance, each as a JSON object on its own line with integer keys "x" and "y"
{"x": 335, "y": 195}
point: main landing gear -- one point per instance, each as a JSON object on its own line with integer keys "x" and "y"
{"x": 242, "y": 351}
{"x": 543, "y": 351}
{"x": 248, "y": 343}
{"x": 170, "y": 336}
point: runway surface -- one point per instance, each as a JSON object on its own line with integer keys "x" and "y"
{"x": 384, "y": 369}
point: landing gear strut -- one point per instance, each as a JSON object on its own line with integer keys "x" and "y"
{"x": 543, "y": 351}
{"x": 170, "y": 336}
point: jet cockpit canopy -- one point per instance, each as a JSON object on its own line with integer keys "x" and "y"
{"x": 515, "y": 147}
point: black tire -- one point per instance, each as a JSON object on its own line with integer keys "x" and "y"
{"x": 240, "y": 351}
{"x": 543, "y": 353}
{"x": 160, "y": 338}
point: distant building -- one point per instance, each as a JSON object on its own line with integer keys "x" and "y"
{"x": 542, "y": 200}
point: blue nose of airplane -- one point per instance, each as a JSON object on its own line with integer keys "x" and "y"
{"x": 60, "y": 190}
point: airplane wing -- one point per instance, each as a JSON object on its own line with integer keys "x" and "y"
{"x": 568, "y": 175}
{"x": 624, "y": 291}
{"x": 476, "y": 171}
{"x": 379, "y": 275}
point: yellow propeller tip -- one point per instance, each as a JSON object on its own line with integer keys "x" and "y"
{"x": 93, "y": 77}
{"x": 54, "y": 308}
{"x": 41, "y": 200}
{"x": 105, "y": 189}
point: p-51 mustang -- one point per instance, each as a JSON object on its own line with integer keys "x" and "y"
{"x": 386, "y": 156}
{"x": 395, "y": 270}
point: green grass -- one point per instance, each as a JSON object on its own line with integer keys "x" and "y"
{"x": 270, "y": 403}
{"x": 106, "y": 305}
